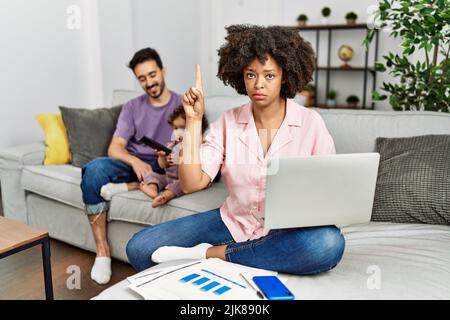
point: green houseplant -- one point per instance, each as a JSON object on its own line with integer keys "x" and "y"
{"x": 302, "y": 18}
{"x": 326, "y": 12}
{"x": 309, "y": 87}
{"x": 419, "y": 83}
{"x": 309, "y": 94}
{"x": 331, "y": 98}
{"x": 352, "y": 101}
{"x": 351, "y": 17}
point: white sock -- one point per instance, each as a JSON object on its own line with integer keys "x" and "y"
{"x": 110, "y": 189}
{"x": 101, "y": 271}
{"x": 164, "y": 254}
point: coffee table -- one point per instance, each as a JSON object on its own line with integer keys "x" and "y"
{"x": 16, "y": 237}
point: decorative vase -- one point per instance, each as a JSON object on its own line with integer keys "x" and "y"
{"x": 351, "y": 21}
{"x": 331, "y": 102}
{"x": 309, "y": 98}
{"x": 300, "y": 99}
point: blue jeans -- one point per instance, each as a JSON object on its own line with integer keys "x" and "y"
{"x": 302, "y": 251}
{"x": 101, "y": 171}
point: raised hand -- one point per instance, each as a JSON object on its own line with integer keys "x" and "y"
{"x": 193, "y": 102}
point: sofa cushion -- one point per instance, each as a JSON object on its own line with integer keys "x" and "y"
{"x": 355, "y": 131}
{"x": 90, "y": 132}
{"x": 120, "y": 96}
{"x": 62, "y": 183}
{"x": 57, "y": 150}
{"x": 215, "y": 104}
{"x": 352, "y": 130}
{"x": 413, "y": 184}
{"x": 57, "y": 182}
{"x": 135, "y": 207}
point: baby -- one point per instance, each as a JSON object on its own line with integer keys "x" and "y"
{"x": 169, "y": 183}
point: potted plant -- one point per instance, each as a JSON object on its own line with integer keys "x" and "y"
{"x": 421, "y": 72}
{"x": 309, "y": 93}
{"x": 302, "y": 20}
{"x": 326, "y": 11}
{"x": 351, "y": 17}
{"x": 352, "y": 101}
{"x": 331, "y": 98}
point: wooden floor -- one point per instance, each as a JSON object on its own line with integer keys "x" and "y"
{"x": 21, "y": 275}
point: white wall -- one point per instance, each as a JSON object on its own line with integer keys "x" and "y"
{"x": 285, "y": 12}
{"x": 223, "y": 13}
{"x": 345, "y": 83}
{"x": 190, "y": 31}
{"x": 126, "y": 26}
{"x": 42, "y": 66}
{"x": 172, "y": 27}
{"x": 116, "y": 45}
{"x": 45, "y": 64}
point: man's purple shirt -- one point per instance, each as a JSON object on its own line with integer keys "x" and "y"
{"x": 139, "y": 118}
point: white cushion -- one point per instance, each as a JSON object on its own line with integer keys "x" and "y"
{"x": 381, "y": 261}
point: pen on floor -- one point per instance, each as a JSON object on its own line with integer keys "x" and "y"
{"x": 258, "y": 293}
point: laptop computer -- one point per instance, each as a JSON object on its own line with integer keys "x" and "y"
{"x": 320, "y": 190}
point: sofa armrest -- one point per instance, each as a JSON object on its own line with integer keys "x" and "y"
{"x": 30, "y": 154}
{"x": 12, "y": 162}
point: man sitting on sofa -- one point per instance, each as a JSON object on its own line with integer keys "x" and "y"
{"x": 128, "y": 161}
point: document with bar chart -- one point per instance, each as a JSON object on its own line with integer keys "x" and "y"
{"x": 208, "y": 279}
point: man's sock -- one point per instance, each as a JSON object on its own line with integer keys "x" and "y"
{"x": 110, "y": 189}
{"x": 101, "y": 271}
{"x": 164, "y": 254}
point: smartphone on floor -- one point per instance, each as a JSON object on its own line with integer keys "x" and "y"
{"x": 273, "y": 288}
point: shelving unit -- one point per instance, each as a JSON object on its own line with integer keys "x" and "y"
{"x": 366, "y": 69}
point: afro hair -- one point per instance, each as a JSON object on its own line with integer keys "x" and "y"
{"x": 247, "y": 42}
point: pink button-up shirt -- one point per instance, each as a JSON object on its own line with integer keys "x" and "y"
{"x": 233, "y": 146}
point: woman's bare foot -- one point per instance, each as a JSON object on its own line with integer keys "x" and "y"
{"x": 163, "y": 198}
{"x": 149, "y": 189}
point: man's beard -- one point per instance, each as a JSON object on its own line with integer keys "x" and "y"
{"x": 159, "y": 93}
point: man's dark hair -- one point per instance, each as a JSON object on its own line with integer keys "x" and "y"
{"x": 246, "y": 42}
{"x": 179, "y": 112}
{"x": 144, "y": 55}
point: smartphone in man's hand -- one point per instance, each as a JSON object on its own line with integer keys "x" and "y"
{"x": 155, "y": 145}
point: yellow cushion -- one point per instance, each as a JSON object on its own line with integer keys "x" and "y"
{"x": 57, "y": 150}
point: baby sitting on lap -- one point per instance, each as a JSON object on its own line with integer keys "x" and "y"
{"x": 169, "y": 183}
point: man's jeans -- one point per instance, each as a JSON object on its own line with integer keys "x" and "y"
{"x": 301, "y": 251}
{"x": 101, "y": 171}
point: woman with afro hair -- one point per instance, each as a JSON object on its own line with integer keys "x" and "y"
{"x": 269, "y": 65}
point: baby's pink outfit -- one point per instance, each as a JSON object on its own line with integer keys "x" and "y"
{"x": 168, "y": 181}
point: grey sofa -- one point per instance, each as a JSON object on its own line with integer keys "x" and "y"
{"x": 49, "y": 197}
